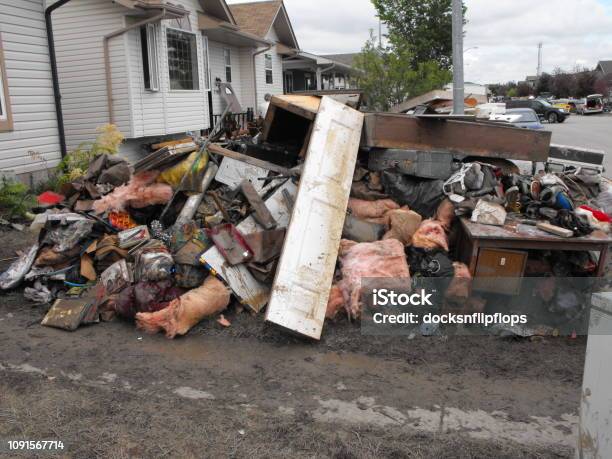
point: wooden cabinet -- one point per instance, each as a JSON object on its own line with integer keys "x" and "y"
{"x": 499, "y": 271}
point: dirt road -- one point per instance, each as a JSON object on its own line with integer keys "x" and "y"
{"x": 252, "y": 391}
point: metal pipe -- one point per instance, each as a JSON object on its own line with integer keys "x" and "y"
{"x": 107, "y": 63}
{"x": 458, "y": 83}
{"x": 255, "y": 54}
{"x": 55, "y": 77}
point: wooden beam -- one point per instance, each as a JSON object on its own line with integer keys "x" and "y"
{"x": 219, "y": 150}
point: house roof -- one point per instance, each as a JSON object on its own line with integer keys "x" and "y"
{"x": 606, "y": 67}
{"x": 258, "y": 18}
{"x": 346, "y": 59}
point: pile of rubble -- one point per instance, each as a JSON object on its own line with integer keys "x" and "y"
{"x": 292, "y": 218}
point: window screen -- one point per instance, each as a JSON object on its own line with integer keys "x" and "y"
{"x": 227, "y": 56}
{"x": 268, "y": 66}
{"x": 182, "y": 60}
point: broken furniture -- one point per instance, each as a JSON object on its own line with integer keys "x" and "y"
{"x": 477, "y": 240}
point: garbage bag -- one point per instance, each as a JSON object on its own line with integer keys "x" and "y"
{"x": 381, "y": 259}
{"x": 188, "y": 310}
{"x": 153, "y": 263}
{"x": 421, "y": 195}
{"x": 12, "y": 277}
{"x": 429, "y": 262}
{"x": 403, "y": 223}
{"x": 195, "y": 167}
{"x": 604, "y": 200}
{"x": 430, "y": 235}
{"x": 146, "y": 297}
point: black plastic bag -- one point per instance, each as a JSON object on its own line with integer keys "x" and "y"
{"x": 421, "y": 195}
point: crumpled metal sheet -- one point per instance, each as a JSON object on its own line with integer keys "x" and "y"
{"x": 13, "y": 276}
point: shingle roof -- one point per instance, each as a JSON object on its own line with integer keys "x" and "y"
{"x": 346, "y": 59}
{"x": 606, "y": 66}
{"x": 256, "y": 17}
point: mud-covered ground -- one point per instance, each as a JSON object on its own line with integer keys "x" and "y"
{"x": 253, "y": 391}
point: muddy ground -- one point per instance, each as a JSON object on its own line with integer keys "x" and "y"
{"x": 252, "y": 391}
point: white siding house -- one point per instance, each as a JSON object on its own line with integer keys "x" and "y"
{"x": 27, "y": 109}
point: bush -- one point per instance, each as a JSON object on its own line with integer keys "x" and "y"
{"x": 15, "y": 199}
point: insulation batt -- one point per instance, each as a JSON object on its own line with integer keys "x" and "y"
{"x": 138, "y": 193}
{"x": 404, "y": 224}
{"x": 335, "y": 303}
{"x": 187, "y": 311}
{"x": 430, "y": 235}
{"x": 461, "y": 284}
{"x": 371, "y": 209}
{"x": 446, "y": 213}
{"x": 381, "y": 259}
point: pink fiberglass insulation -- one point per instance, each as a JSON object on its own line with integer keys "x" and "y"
{"x": 335, "y": 303}
{"x": 461, "y": 285}
{"x": 139, "y": 192}
{"x": 381, "y": 259}
{"x": 187, "y": 311}
{"x": 430, "y": 235}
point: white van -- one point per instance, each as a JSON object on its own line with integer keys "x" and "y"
{"x": 592, "y": 104}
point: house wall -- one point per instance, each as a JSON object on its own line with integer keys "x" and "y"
{"x": 79, "y": 28}
{"x": 167, "y": 111}
{"x": 217, "y": 70}
{"x": 263, "y": 88}
{"x": 28, "y": 76}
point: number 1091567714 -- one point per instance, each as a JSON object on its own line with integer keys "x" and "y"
{"x": 36, "y": 445}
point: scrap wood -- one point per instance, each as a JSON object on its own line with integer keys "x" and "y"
{"x": 556, "y": 230}
{"x": 219, "y": 150}
{"x": 260, "y": 212}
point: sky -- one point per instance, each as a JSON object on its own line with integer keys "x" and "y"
{"x": 505, "y": 33}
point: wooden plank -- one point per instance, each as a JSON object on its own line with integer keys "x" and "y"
{"x": 261, "y": 213}
{"x": 556, "y": 230}
{"x": 405, "y": 132}
{"x": 219, "y": 150}
{"x": 306, "y": 268}
{"x": 304, "y": 106}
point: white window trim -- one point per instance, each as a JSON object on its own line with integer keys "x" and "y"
{"x": 266, "y": 68}
{"x": 153, "y": 55}
{"x": 3, "y": 104}
{"x": 197, "y": 60}
{"x": 226, "y": 65}
{"x": 206, "y": 58}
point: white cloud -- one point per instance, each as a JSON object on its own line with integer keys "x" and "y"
{"x": 506, "y": 33}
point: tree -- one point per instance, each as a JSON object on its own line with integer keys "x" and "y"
{"x": 425, "y": 24}
{"x": 544, "y": 83}
{"x": 388, "y": 78}
{"x": 601, "y": 86}
{"x": 523, "y": 90}
{"x": 512, "y": 92}
{"x": 563, "y": 84}
{"x": 585, "y": 82}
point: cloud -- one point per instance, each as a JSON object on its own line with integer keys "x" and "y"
{"x": 506, "y": 32}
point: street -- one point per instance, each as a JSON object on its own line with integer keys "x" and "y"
{"x": 585, "y": 131}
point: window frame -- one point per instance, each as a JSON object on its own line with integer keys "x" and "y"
{"x": 227, "y": 53}
{"x": 206, "y": 63}
{"x": 152, "y": 57}
{"x": 197, "y": 61}
{"x": 268, "y": 60}
{"x": 6, "y": 118}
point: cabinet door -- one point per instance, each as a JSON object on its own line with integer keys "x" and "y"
{"x": 506, "y": 267}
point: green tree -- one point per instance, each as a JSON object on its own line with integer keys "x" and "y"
{"x": 544, "y": 84}
{"x": 387, "y": 76}
{"x": 425, "y": 24}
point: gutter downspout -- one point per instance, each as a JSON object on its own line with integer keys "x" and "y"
{"x": 255, "y": 54}
{"x": 107, "y": 63}
{"x": 54, "y": 76}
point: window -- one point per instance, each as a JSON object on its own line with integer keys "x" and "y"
{"x": 227, "y": 56}
{"x": 148, "y": 43}
{"x": 268, "y": 67}
{"x": 6, "y": 120}
{"x": 182, "y": 60}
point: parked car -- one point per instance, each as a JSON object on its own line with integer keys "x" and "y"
{"x": 592, "y": 104}
{"x": 525, "y": 118}
{"x": 564, "y": 104}
{"x": 544, "y": 109}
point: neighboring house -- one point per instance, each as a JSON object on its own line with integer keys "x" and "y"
{"x": 532, "y": 81}
{"x": 29, "y": 139}
{"x": 309, "y": 72}
{"x": 268, "y": 21}
{"x": 604, "y": 71}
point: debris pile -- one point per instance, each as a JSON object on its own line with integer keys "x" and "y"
{"x": 295, "y": 215}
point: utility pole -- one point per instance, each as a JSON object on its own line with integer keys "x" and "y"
{"x": 379, "y": 33}
{"x": 539, "y": 72}
{"x": 458, "y": 82}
